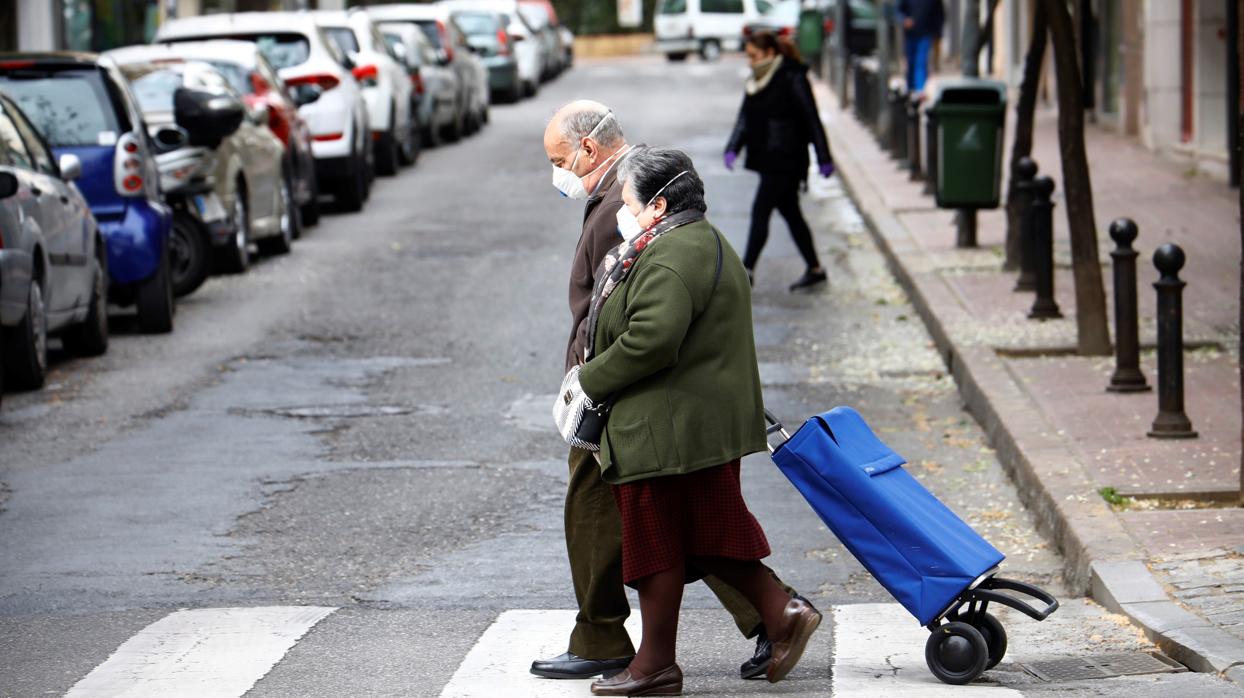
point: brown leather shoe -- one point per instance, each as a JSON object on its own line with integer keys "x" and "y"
{"x": 666, "y": 682}
{"x": 802, "y": 620}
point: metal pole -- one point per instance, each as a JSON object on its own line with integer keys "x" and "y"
{"x": 1025, "y": 173}
{"x": 1172, "y": 422}
{"x": 965, "y": 221}
{"x": 930, "y": 149}
{"x": 844, "y": 52}
{"x": 913, "y": 140}
{"x": 1127, "y": 377}
{"x": 1044, "y": 307}
{"x": 883, "y": 72}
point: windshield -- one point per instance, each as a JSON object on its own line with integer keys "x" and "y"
{"x": 672, "y": 7}
{"x": 476, "y": 23}
{"x": 431, "y": 31}
{"x": 281, "y": 50}
{"x": 238, "y": 76}
{"x": 153, "y": 85}
{"x": 344, "y": 38}
{"x": 70, "y": 108}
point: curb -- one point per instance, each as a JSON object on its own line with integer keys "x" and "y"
{"x": 1101, "y": 558}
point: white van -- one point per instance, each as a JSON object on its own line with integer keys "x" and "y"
{"x": 706, "y": 26}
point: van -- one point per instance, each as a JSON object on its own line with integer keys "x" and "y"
{"x": 704, "y": 26}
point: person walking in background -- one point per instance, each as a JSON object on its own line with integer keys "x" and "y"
{"x": 922, "y": 22}
{"x": 584, "y": 143}
{"x": 671, "y": 346}
{"x": 776, "y": 123}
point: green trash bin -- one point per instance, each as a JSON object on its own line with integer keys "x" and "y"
{"x": 971, "y": 117}
{"x": 810, "y": 35}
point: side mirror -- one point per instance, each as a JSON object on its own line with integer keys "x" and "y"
{"x": 70, "y": 167}
{"x": 8, "y": 184}
{"x": 347, "y": 62}
{"x": 207, "y": 117}
{"x": 306, "y": 94}
{"x": 170, "y": 138}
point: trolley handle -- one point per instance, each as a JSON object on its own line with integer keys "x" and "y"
{"x": 773, "y": 426}
{"x": 989, "y": 590}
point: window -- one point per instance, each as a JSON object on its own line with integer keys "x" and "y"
{"x": 69, "y": 107}
{"x": 476, "y": 23}
{"x": 672, "y": 7}
{"x": 763, "y": 6}
{"x": 344, "y": 38}
{"x": 12, "y": 143}
{"x": 431, "y": 31}
{"x": 153, "y": 87}
{"x": 733, "y": 7}
{"x": 39, "y": 152}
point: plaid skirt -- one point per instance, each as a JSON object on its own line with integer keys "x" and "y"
{"x": 666, "y": 520}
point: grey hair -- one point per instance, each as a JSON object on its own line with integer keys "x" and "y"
{"x": 578, "y": 123}
{"x": 648, "y": 169}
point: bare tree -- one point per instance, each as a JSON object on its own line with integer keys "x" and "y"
{"x": 1093, "y": 336}
{"x": 1025, "y": 114}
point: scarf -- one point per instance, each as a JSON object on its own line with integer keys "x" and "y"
{"x": 762, "y": 74}
{"x": 619, "y": 261}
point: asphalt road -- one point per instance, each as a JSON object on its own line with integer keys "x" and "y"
{"x": 363, "y": 426}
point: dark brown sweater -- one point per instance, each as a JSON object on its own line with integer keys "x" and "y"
{"x": 600, "y": 234}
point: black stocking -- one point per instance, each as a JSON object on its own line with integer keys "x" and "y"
{"x": 660, "y": 598}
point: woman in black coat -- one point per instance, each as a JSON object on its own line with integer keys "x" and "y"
{"x": 776, "y": 123}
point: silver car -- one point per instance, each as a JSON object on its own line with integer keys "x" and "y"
{"x": 53, "y": 265}
{"x": 436, "y": 86}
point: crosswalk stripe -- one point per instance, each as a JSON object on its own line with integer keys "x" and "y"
{"x": 879, "y": 650}
{"x": 203, "y": 652}
{"x": 499, "y": 663}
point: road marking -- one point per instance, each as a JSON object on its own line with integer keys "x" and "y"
{"x": 500, "y": 662}
{"x": 879, "y": 650}
{"x": 204, "y": 652}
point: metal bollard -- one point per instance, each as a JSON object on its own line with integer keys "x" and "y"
{"x": 1044, "y": 307}
{"x": 930, "y": 147}
{"x": 1025, "y": 173}
{"x": 913, "y": 141}
{"x": 1172, "y": 422}
{"x": 898, "y": 124}
{"x": 1127, "y": 377}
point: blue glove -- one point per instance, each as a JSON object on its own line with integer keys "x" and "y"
{"x": 730, "y": 157}
{"x": 827, "y": 169}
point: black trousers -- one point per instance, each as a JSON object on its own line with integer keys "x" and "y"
{"x": 779, "y": 190}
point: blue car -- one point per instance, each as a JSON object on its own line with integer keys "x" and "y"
{"x": 83, "y": 106}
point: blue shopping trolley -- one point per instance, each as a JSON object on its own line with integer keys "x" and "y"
{"x": 933, "y": 563}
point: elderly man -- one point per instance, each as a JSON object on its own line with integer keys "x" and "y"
{"x": 584, "y": 142}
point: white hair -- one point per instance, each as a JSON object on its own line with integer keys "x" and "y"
{"x": 580, "y": 119}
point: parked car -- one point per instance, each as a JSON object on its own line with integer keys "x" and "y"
{"x": 861, "y": 25}
{"x": 244, "y": 164}
{"x": 522, "y": 37}
{"x": 781, "y": 18}
{"x": 541, "y": 23}
{"x": 705, "y": 26}
{"x": 53, "y": 263}
{"x": 386, "y": 86}
{"x": 489, "y": 40}
{"x": 320, "y": 77}
{"x": 451, "y": 47}
{"x": 82, "y": 106}
{"x": 567, "y": 45}
{"x": 436, "y": 86}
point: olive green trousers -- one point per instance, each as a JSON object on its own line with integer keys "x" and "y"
{"x": 594, "y": 546}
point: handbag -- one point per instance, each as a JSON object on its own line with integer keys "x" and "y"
{"x": 580, "y": 421}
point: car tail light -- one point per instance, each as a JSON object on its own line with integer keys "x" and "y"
{"x": 258, "y": 84}
{"x": 325, "y": 81}
{"x": 127, "y": 166}
{"x": 785, "y": 31}
{"x": 503, "y": 42}
{"x": 416, "y": 79}
{"x": 829, "y": 25}
{"x": 328, "y": 136}
{"x": 445, "y": 42}
{"x": 367, "y": 75}
{"x": 16, "y": 65}
{"x": 747, "y": 31}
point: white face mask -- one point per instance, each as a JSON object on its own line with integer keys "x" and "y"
{"x": 569, "y": 183}
{"x": 628, "y": 223}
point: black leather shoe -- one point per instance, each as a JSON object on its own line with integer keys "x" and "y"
{"x": 756, "y": 667}
{"x": 572, "y": 666}
{"x": 809, "y": 279}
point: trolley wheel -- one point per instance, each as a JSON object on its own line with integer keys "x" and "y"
{"x": 991, "y": 629}
{"x": 956, "y": 653}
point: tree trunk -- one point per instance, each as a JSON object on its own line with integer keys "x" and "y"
{"x": 1025, "y": 114}
{"x": 1093, "y": 337}
{"x": 1239, "y": 110}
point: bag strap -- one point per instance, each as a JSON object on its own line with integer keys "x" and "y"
{"x": 717, "y": 277}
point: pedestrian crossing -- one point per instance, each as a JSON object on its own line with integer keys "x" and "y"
{"x": 877, "y": 649}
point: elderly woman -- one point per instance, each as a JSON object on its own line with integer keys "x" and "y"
{"x": 671, "y": 346}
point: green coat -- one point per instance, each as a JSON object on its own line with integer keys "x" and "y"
{"x": 679, "y": 359}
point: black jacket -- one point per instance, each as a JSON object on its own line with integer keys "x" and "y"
{"x": 777, "y": 123}
{"x": 927, "y": 16}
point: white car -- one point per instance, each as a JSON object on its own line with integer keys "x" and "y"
{"x": 524, "y": 41}
{"x": 436, "y": 86}
{"x": 319, "y": 74}
{"x": 704, "y": 26}
{"x": 386, "y": 86}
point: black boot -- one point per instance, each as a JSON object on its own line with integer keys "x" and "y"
{"x": 810, "y": 278}
{"x": 756, "y": 667}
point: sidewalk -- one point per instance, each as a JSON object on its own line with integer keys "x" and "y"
{"x": 1170, "y": 553}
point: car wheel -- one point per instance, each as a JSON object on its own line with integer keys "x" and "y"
{"x": 387, "y": 156}
{"x": 189, "y": 255}
{"x": 484, "y": 116}
{"x": 90, "y": 338}
{"x": 309, "y": 213}
{"x": 532, "y": 88}
{"x": 678, "y": 57}
{"x": 710, "y": 50}
{"x": 26, "y": 350}
{"x": 284, "y": 242}
{"x": 352, "y": 191}
{"x": 454, "y": 131}
{"x": 409, "y": 150}
{"x": 236, "y": 258}
{"x": 155, "y": 301}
